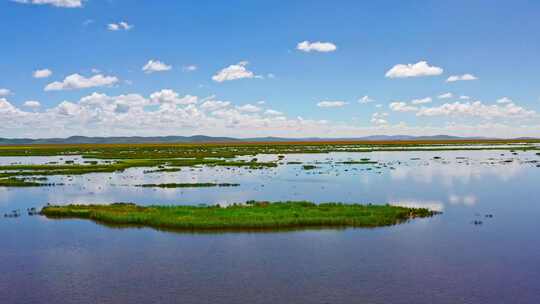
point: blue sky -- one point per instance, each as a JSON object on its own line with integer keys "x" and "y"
{"x": 496, "y": 44}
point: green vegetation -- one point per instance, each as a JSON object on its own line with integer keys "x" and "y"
{"x": 22, "y": 182}
{"x": 251, "y": 216}
{"x": 358, "y": 162}
{"x": 231, "y": 150}
{"x": 171, "y": 157}
{"x": 187, "y": 185}
{"x": 76, "y": 169}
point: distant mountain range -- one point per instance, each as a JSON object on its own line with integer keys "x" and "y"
{"x": 209, "y": 139}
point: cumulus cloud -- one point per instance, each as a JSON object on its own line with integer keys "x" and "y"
{"x": 212, "y": 105}
{"x": 400, "y": 106}
{"x": 4, "y": 92}
{"x": 122, "y": 25}
{"x": 365, "y": 99}
{"x": 273, "y": 112}
{"x": 76, "y": 81}
{"x": 168, "y": 96}
{"x": 479, "y": 110}
{"x": 44, "y": 73}
{"x": 464, "y": 77}
{"x": 234, "y": 72}
{"x": 464, "y": 97}
{"x": 445, "y": 96}
{"x": 249, "y": 108}
{"x": 421, "y": 68}
{"x": 155, "y": 66}
{"x": 32, "y": 104}
{"x": 136, "y": 115}
{"x": 323, "y": 47}
{"x": 421, "y": 101}
{"x": 504, "y": 100}
{"x": 331, "y": 104}
{"x": 378, "y": 118}
{"x": 56, "y": 3}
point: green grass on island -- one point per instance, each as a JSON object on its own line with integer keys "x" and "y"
{"x": 250, "y": 216}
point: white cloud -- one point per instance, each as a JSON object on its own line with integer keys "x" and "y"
{"x": 365, "y": 99}
{"x": 331, "y": 104}
{"x": 249, "y": 108}
{"x": 4, "y": 92}
{"x": 122, "y": 25}
{"x": 189, "y": 68}
{"x": 155, "y": 66}
{"x": 464, "y": 97}
{"x": 212, "y": 105}
{"x": 400, "y": 106}
{"x": 378, "y": 118}
{"x": 273, "y": 112}
{"x": 76, "y": 81}
{"x": 324, "y": 47}
{"x": 421, "y": 101}
{"x": 168, "y": 113}
{"x": 421, "y": 68}
{"x": 504, "y": 100}
{"x": 445, "y": 96}
{"x": 463, "y": 77}
{"x": 44, "y": 73}
{"x": 32, "y": 104}
{"x": 233, "y": 72}
{"x": 168, "y": 96}
{"x": 57, "y": 3}
{"x": 479, "y": 110}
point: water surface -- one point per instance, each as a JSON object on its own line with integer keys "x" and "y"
{"x": 444, "y": 259}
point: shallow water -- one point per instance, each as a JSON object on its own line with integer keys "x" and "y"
{"x": 444, "y": 259}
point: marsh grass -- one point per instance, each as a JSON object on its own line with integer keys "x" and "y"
{"x": 23, "y": 182}
{"x": 249, "y": 216}
{"x": 121, "y": 165}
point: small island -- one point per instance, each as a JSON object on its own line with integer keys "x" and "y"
{"x": 252, "y": 215}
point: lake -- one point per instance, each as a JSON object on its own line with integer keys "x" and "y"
{"x": 443, "y": 259}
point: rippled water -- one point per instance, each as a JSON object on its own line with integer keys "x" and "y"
{"x": 445, "y": 259}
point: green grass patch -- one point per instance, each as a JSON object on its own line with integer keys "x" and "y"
{"x": 250, "y": 216}
{"x": 22, "y": 182}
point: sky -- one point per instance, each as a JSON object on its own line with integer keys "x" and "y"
{"x": 246, "y": 68}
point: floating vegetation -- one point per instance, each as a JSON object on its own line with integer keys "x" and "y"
{"x": 251, "y": 216}
{"x": 309, "y": 167}
{"x": 187, "y": 185}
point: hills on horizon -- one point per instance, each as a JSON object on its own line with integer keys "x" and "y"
{"x": 210, "y": 139}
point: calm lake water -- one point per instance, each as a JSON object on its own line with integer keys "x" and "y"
{"x": 444, "y": 259}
